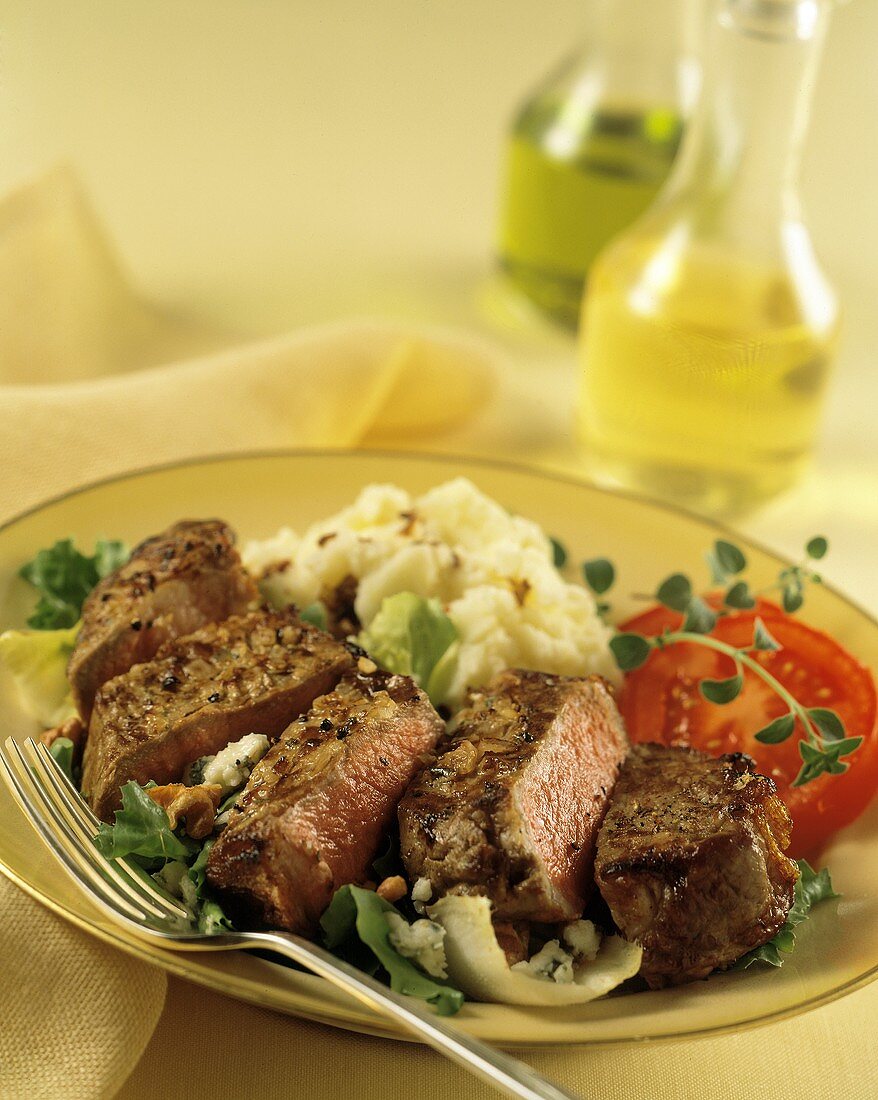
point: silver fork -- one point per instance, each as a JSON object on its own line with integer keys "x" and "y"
{"x": 132, "y": 899}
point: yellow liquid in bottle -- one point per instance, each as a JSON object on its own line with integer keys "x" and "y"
{"x": 702, "y": 378}
{"x": 572, "y": 183}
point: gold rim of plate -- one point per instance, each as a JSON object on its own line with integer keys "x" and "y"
{"x": 258, "y": 492}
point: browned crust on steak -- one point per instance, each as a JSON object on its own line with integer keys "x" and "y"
{"x": 249, "y": 674}
{"x": 511, "y": 806}
{"x": 173, "y": 584}
{"x": 690, "y": 860}
{"x": 318, "y": 805}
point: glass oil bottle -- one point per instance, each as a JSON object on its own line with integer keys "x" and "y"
{"x": 589, "y": 150}
{"x": 708, "y": 329}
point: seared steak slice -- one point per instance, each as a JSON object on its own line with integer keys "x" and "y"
{"x": 250, "y": 674}
{"x": 171, "y": 585}
{"x": 317, "y": 806}
{"x": 511, "y": 807}
{"x": 690, "y": 860}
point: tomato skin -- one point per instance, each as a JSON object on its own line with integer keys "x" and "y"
{"x": 660, "y": 701}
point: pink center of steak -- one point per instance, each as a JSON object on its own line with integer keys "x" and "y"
{"x": 562, "y": 796}
{"x": 511, "y": 808}
{"x": 349, "y": 809}
{"x": 318, "y": 805}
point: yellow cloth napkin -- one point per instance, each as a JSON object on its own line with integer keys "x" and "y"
{"x": 94, "y": 382}
{"x": 75, "y": 1014}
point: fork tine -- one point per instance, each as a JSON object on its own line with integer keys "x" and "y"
{"x": 61, "y": 839}
{"x": 130, "y": 879}
{"x": 83, "y": 810}
{"x": 88, "y": 880}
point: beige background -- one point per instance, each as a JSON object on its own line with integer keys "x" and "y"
{"x": 235, "y": 147}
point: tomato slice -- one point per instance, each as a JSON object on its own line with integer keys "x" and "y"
{"x": 660, "y": 701}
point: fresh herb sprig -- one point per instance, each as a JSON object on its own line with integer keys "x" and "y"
{"x": 726, "y": 561}
{"x": 825, "y": 743}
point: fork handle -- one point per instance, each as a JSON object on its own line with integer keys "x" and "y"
{"x": 505, "y": 1073}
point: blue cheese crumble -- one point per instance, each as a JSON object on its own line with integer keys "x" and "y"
{"x": 554, "y": 963}
{"x": 231, "y": 767}
{"x": 422, "y": 942}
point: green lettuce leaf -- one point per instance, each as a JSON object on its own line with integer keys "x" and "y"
{"x": 37, "y": 660}
{"x": 198, "y": 869}
{"x": 357, "y": 914}
{"x": 189, "y": 885}
{"x": 62, "y": 750}
{"x": 211, "y": 919}
{"x": 413, "y": 636}
{"x": 109, "y": 555}
{"x": 209, "y": 915}
{"x": 63, "y": 577}
{"x": 812, "y": 887}
{"x": 142, "y": 829}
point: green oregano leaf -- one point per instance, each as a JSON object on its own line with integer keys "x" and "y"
{"x": 762, "y": 639}
{"x": 559, "y": 553}
{"x": 817, "y": 760}
{"x": 844, "y": 747}
{"x": 828, "y": 723}
{"x": 729, "y": 556}
{"x": 722, "y": 691}
{"x": 739, "y": 597}
{"x": 814, "y": 763}
{"x": 792, "y": 597}
{"x": 718, "y": 575}
{"x": 816, "y": 548}
{"x": 599, "y": 575}
{"x": 700, "y": 619}
{"x": 630, "y": 650}
{"x": 778, "y": 730}
{"x": 675, "y": 592}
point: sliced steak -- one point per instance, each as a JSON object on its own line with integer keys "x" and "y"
{"x": 317, "y": 806}
{"x": 511, "y": 806}
{"x": 250, "y": 674}
{"x": 173, "y": 584}
{"x": 690, "y": 860}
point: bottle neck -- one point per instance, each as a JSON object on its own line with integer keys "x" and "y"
{"x": 645, "y": 50}
{"x": 744, "y": 143}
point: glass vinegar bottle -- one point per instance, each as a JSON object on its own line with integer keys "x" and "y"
{"x": 708, "y": 329}
{"x": 589, "y": 150}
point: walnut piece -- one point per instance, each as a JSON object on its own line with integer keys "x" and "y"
{"x": 393, "y": 888}
{"x": 194, "y": 807}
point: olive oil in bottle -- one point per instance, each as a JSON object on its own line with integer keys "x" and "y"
{"x": 563, "y": 203}
{"x": 708, "y": 327}
{"x": 703, "y": 378}
{"x": 589, "y": 150}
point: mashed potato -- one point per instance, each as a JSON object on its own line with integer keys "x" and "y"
{"x": 491, "y": 571}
